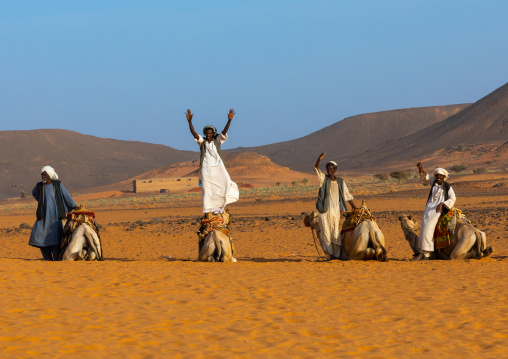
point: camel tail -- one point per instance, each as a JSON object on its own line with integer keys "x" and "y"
{"x": 479, "y": 243}
{"x": 375, "y": 243}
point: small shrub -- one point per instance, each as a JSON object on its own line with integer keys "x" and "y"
{"x": 479, "y": 170}
{"x": 23, "y": 193}
{"x": 462, "y": 147}
{"x": 457, "y": 168}
{"x": 278, "y": 184}
{"x": 294, "y": 183}
{"x": 399, "y": 175}
{"x": 305, "y": 181}
{"x": 382, "y": 176}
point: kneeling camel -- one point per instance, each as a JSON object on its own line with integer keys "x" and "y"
{"x": 466, "y": 241}
{"x": 364, "y": 242}
{"x": 216, "y": 245}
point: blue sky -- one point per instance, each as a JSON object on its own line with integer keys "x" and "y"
{"x": 129, "y": 69}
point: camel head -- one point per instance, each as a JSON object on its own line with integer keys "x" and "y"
{"x": 311, "y": 220}
{"x": 407, "y": 223}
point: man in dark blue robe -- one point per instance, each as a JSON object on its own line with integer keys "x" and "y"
{"x": 54, "y": 203}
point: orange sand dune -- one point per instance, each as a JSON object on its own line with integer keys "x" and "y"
{"x": 151, "y": 299}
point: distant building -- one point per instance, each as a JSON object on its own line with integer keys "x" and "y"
{"x": 161, "y": 185}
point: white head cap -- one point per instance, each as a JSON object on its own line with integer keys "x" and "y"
{"x": 441, "y": 171}
{"x": 50, "y": 171}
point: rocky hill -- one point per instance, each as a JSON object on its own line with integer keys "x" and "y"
{"x": 353, "y": 135}
{"x": 483, "y": 123}
{"x": 81, "y": 161}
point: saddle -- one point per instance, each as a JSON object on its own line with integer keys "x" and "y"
{"x": 355, "y": 217}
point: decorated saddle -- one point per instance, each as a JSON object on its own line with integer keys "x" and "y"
{"x": 446, "y": 226}
{"x": 355, "y": 217}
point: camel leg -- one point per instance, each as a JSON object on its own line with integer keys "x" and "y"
{"x": 359, "y": 250}
{"x": 208, "y": 249}
{"x": 461, "y": 250}
{"x": 75, "y": 245}
{"x": 488, "y": 251}
{"x": 207, "y": 253}
{"x": 91, "y": 256}
{"x": 369, "y": 254}
{"x": 71, "y": 257}
{"x": 380, "y": 250}
{"x": 82, "y": 254}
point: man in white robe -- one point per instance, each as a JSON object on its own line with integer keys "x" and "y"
{"x": 218, "y": 188}
{"x": 440, "y": 200}
{"x": 330, "y": 200}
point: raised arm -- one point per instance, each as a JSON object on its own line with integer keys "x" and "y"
{"x": 423, "y": 175}
{"x": 191, "y": 127}
{"x": 420, "y": 167}
{"x": 230, "y": 118}
{"x": 319, "y": 160}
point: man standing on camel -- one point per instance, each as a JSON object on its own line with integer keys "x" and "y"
{"x": 218, "y": 188}
{"x": 441, "y": 199}
{"x": 332, "y": 197}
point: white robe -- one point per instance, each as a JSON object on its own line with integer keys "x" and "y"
{"x": 329, "y": 222}
{"x": 218, "y": 189}
{"x": 430, "y": 216}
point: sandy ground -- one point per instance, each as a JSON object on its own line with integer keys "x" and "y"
{"x": 151, "y": 299}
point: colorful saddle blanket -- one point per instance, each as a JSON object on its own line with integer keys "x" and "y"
{"x": 446, "y": 226}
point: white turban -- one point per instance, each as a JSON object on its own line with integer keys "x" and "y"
{"x": 441, "y": 171}
{"x": 332, "y": 163}
{"x": 50, "y": 171}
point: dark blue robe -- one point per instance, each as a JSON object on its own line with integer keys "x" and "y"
{"x": 48, "y": 231}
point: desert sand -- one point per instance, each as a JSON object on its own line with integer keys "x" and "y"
{"x": 150, "y": 298}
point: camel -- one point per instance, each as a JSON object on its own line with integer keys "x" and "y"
{"x": 216, "y": 245}
{"x": 364, "y": 242}
{"x": 465, "y": 242}
{"x": 84, "y": 244}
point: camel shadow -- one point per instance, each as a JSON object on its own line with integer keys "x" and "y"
{"x": 498, "y": 257}
{"x": 279, "y": 260}
{"x": 27, "y": 259}
{"x": 117, "y": 259}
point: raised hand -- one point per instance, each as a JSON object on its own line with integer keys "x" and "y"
{"x": 189, "y": 115}
{"x": 231, "y": 114}
{"x": 319, "y": 160}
